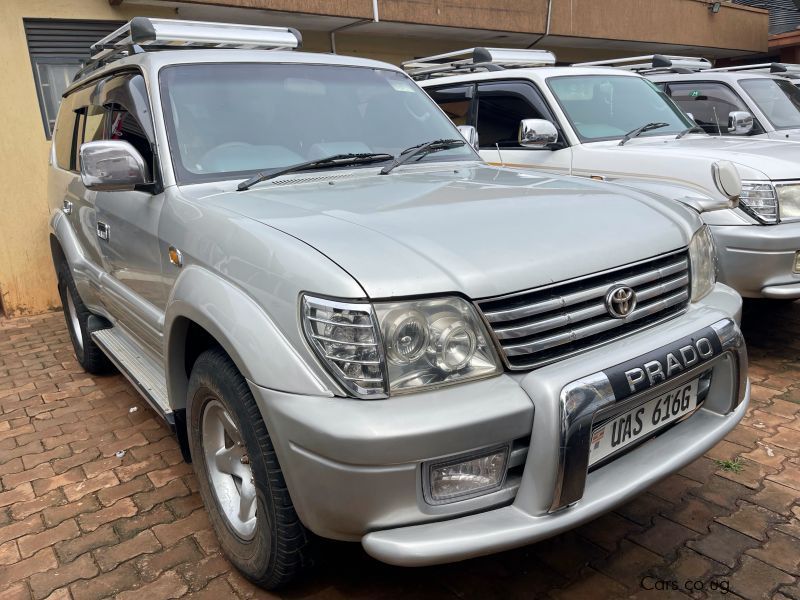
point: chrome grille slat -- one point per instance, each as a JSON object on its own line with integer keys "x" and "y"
{"x": 542, "y": 325}
{"x": 583, "y": 295}
{"x": 582, "y": 332}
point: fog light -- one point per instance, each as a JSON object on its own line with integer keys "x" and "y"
{"x": 796, "y": 262}
{"x": 466, "y": 476}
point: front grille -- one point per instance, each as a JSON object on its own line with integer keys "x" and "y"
{"x": 541, "y": 326}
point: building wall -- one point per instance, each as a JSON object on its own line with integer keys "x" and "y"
{"x": 27, "y": 281}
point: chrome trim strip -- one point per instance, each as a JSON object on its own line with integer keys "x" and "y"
{"x": 583, "y": 349}
{"x": 581, "y": 399}
{"x": 582, "y": 295}
{"x": 589, "y": 330}
{"x": 596, "y": 310}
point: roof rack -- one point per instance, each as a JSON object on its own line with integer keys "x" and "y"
{"x": 144, "y": 34}
{"x": 660, "y": 63}
{"x": 473, "y": 59}
{"x": 788, "y": 70}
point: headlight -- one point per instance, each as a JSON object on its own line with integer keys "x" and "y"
{"x": 761, "y": 200}
{"x": 703, "y": 260}
{"x": 788, "y": 201}
{"x": 394, "y": 347}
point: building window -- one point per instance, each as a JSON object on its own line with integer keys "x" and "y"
{"x": 58, "y": 48}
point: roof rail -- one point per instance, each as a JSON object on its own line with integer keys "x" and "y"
{"x": 653, "y": 63}
{"x": 792, "y": 71}
{"x": 144, "y": 34}
{"x": 473, "y": 59}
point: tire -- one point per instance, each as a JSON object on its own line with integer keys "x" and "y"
{"x": 265, "y": 540}
{"x": 89, "y": 355}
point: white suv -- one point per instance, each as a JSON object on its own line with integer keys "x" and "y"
{"x": 613, "y": 124}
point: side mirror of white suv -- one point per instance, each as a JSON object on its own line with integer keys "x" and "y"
{"x": 470, "y": 134}
{"x": 537, "y": 133}
{"x": 740, "y": 122}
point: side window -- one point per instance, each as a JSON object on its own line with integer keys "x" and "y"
{"x": 125, "y": 127}
{"x": 128, "y": 113}
{"x": 501, "y": 106}
{"x": 90, "y": 127}
{"x": 456, "y": 102}
{"x": 64, "y": 133}
{"x": 709, "y": 103}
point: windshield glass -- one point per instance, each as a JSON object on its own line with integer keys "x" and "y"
{"x": 778, "y": 99}
{"x": 606, "y": 107}
{"x": 228, "y": 121}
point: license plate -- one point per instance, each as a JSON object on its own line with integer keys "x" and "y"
{"x": 641, "y": 421}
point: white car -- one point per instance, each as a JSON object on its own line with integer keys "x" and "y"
{"x": 752, "y": 100}
{"x": 613, "y": 124}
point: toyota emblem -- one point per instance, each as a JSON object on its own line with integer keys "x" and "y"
{"x": 620, "y": 301}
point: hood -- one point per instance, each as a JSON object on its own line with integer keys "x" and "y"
{"x": 467, "y": 228}
{"x": 755, "y": 158}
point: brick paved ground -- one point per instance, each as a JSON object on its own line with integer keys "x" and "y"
{"x": 79, "y": 521}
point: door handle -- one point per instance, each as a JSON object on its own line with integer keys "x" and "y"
{"x": 103, "y": 230}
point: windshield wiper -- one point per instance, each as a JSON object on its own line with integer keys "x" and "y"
{"x": 688, "y": 130}
{"x": 329, "y": 161}
{"x": 421, "y": 150}
{"x": 642, "y": 129}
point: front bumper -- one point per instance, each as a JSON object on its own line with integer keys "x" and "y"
{"x": 353, "y": 468}
{"x": 758, "y": 260}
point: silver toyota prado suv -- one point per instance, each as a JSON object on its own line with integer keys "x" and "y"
{"x": 358, "y": 328}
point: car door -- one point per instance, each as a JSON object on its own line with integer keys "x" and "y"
{"x": 710, "y": 103}
{"x": 127, "y": 221}
{"x": 499, "y": 108}
{"x": 77, "y": 203}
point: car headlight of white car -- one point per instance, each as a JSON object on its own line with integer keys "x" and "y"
{"x": 703, "y": 263}
{"x": 387, "y": 348}
{"x": 771, "y": 203}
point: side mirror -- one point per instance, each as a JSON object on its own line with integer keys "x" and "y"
{"x": 470, "y": 134}
{"x": 740, "y": 122}
{"x": 112, "y": 165}
{"x": 536, "y": 133}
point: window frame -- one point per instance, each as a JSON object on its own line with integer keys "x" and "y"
{"x": 549, "y": 114}
{"x": 472, "y": 94}
{"x": 758, "y": 128}
{"x": 95, "y": 92}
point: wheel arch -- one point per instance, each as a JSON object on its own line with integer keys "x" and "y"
{"x": 205, "y": 311}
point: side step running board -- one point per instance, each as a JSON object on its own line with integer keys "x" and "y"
{"x": 145, "y": 374}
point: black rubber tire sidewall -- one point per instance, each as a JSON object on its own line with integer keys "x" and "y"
{"x": 89, "y": 354}
{"x": 269, "y": 559}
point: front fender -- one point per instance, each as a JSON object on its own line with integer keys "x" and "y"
{"x": 244, "y": 330}
{"x": 689, "y": 196}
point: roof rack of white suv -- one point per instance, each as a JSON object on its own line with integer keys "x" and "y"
{"x": 145, "y": 34}
{"x": 473, "y": 59}
{"x": 789, "y": 70}
{"x": 653, "y": 63}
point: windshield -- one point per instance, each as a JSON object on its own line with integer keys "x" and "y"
{"x": 778, "y": 99}
{"x": 606, "y": 107}
{"x": 228, "y": 121}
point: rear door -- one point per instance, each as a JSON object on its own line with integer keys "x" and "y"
{"x": 79, "y": 120}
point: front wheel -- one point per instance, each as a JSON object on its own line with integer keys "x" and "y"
{"x": 240, "y": 479}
